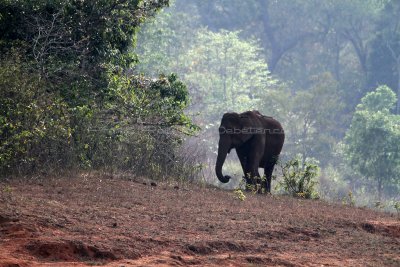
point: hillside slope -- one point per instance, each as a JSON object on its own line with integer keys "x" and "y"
{"x": 90, "y": 221}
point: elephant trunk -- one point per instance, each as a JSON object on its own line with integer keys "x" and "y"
{"x": 223, "y": 149}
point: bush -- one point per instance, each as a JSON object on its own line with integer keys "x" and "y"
{"x": 299, "y": 178}
{"x": 147, "y": 120}
{"x": 67, "y": 100}
{"x": 137, "y": 126}
{"x": 34, "y": 128}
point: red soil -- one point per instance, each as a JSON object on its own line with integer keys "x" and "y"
{"x": 94, "y": 221}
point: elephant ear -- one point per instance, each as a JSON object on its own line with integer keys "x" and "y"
{"x": 245, "y": 120}
{"x": 231, "y": 120}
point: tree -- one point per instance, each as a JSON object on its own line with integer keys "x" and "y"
{"x": 311, "y": 118}
{"x": 163, "y": 39}
{"x": 225, "y": 72}
{"x": 373, "y": 140}
{"x": 280, "y": 25}
{"x": 353, "y": 22}
{"x": 67, "y": 97}
{"x": 304, "y": 38}
{"x": 384, "y": 59}
{"x": 34, "y": 123}
{"x": 86, "y": 34}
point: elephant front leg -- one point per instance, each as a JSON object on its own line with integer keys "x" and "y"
{"x": 253, "y": 176}
{"x": 250, "y": 155}
{"x": 250, "y": 176}
{"x": 242, "y": 155}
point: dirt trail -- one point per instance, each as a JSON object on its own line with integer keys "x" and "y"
{"x": 92, "y": 221}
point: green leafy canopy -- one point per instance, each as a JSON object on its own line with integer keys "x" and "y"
{"x": 373, "y": 140}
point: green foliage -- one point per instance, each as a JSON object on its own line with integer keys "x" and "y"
{"x": 140, "y": 123}
{"x": 92, "y": 32}
{"x": 238, "y": 193}
{"x": 258, "y": 185}
{"x": 157, "y": 102}
{"x": 299, "y": 178}
{"x": 224, "y": 67}
{"x": 216, "y": 65}
{"x": 161, "y": 41}
{"x": 396, "y": 205}
{"x": 66, "y": 100}
{"x": 373, "y": 140}
{"x": 349, "y": 199}
{"x": 383, "y": 99}
{"x": 379, "y": 205}
{"x": 34, "y": 123}
{"x": 147, "y": 116}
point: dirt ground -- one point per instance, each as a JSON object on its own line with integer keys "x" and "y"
{"x": 96, "y": 221}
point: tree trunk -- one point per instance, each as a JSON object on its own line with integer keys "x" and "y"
{"x": 396, "y": 58}
{"x": 379, "y": 189}
{"x": 398, "y": 88}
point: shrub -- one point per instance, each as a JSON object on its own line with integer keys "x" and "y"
{"x": 148, "y": 125}
{"x": 137, "y": 126}
{"x": 299, "y": 178}
{"x": 238, "y": 194}
{"x": 396, "y": 205}
{"x": 34, "y": 123}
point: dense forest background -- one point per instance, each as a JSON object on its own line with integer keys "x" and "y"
{"x": 139, "y": 87}
{"x": 307, "y": 63}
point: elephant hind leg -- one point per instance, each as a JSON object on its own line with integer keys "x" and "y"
{"x": 268, "y": 170}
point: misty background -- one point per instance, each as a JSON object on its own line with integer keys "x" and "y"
{"x": 307, "y": 63}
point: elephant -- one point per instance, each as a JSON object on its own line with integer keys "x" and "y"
{"x": 258, "y": 141}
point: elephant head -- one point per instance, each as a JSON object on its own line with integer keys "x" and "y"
{"x": 231, "y": 135}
